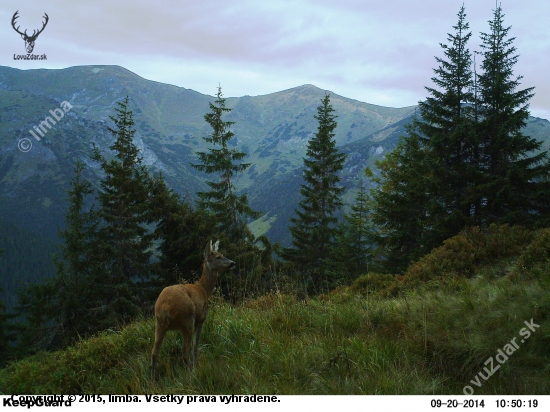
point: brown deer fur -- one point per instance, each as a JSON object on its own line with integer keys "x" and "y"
{"x": 184, "y": 307}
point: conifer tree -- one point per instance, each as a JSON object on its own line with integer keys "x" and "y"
{"x": 355, "y": 237}
{"x": 123, "y": 242}
{"x": 424, "y": 197}
{"x": 75, "y": 287}
{"x": 447, "y": 122}
{"x": 230, "y": 210}
{"x": 60, "y": 310}
{"x": 181, "y": 232}
{"x": 465, "y": 160}
{"x": 441, "y": 143}
{"x": 7, "y": 334}
{"x": 402, "y": 205}
{"x": 314, "y": 228}
{"x": 515, "y": 185}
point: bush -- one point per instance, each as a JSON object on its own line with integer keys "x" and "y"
{"x": 456, "y": 256}
{"x": 464, "y": 254}
{"x": 498, "y": 241}
{"x": 536, "y": 254}
{"x": 372, "y": 283}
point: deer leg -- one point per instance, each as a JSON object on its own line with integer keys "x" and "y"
{"x": 196, "y": 349}
{"x": 187, "y": 332}
{"x": 160, "y": 332}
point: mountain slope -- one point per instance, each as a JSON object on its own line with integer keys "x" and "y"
{"x": 273, "y": 129}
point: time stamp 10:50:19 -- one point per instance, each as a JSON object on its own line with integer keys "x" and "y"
{"x": 480, "y": 403}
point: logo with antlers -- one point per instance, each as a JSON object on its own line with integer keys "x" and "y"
{"x": 29, "y": 40}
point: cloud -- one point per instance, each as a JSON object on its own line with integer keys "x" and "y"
{"x": 364, "y": 49}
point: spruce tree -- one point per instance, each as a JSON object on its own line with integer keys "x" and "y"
{"x": 181, "y": 232}
{"x": 60, "y": 310}
{"x": 468, "y": 161}
{"x": 7, "y": 331}
{"x": 123, "y": 241}
{"x": 515, "y": 185}
{"x": 314, "y": 228}
{"x": 447, "y": 122}
{"x": 444, "y": 132}
{"x": 7, "y": 334}
{"x": 425, "y": 195}
{"x": 230, "y": 210}
{"x": 355, "y": 237}
{"x": 402, "y": 205}
{"x": 465, "y": 160}
{"x": 75, "y": 286}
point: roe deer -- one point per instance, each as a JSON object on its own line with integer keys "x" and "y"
{"x": 184, "y": 307}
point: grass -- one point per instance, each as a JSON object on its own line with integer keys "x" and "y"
{"x": 428, "y": 339}
{"x": 261, "y": 225}
{"x": 345, "y": 344}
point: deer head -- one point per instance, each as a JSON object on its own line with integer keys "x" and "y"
{"x": 29, "y": 40}
{"x": 214, "y": 260}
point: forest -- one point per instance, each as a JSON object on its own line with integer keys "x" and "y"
{"x": 411, "y": 290}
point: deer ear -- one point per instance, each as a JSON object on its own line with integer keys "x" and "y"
{"x": 216, "y": 245}
{"x": 208, "y": 250}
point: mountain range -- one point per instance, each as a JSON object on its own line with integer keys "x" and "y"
{"x": 272, "y": 129}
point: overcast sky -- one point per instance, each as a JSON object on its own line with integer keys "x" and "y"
{"x": 375, "y": 51}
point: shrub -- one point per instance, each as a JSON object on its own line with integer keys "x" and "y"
{"x": 464, "y": 254}
{"x": 536, "y": 255}
{"x": 498, "y": 241}
{"x": 456, "y": 256}
{"x": 372, "y": 283}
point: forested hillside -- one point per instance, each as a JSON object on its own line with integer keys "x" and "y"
{"x": 27, "y": 259}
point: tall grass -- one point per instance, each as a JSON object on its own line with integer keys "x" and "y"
{"x": 420, "y": 343}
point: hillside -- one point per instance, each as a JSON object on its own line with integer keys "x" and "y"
{"x": 430, "y": 338}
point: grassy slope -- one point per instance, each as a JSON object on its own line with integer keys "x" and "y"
{"x": 429, "y": 339}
